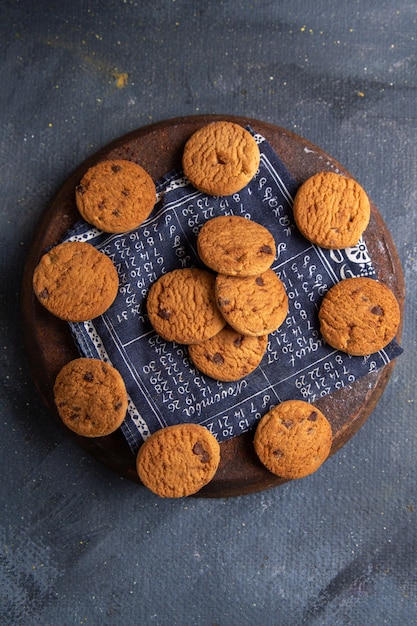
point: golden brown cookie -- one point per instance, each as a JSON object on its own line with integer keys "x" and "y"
{"x": 229, "y": 355}
{"x": 115, "y": 196}
{"x": 220, "y": 158}
{"x": 293, "y": 439}
{"x": 235, "y": 246}
{"x": 75, "y": 281}
{"x": 178, "y": 460}
{"x": 252, "y": 305}
{"x": 331, "y": 210}
{"x": 91, "y": 397}
{"x": 359, "y": 316}
{"x": 182, "y": 307}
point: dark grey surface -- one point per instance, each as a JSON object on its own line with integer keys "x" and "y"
{"x": 79, "y": 545}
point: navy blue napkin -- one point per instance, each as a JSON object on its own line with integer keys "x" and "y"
{"x": 163, "y": 386}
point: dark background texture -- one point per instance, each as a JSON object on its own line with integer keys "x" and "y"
{"x": 79, "y": 545}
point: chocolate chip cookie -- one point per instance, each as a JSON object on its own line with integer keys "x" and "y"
{"x": 91, "y": 397}
{"x": 115, "y": 196}
{"x": 293, "y": 439}
{"x": 182, "y": 307}
{"x": 75, "y": 281}
{"x": 236, "y": 246}
{"x": 252, "y": 305}
{"x": 359, "y": 316}
{"x": 220, "y": 158}
{"x": 178, "y": 460}
{"x": 229, "y": 355}
{"x": 331, "y": 210}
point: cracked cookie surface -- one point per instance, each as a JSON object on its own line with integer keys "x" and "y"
{"x": 331, "y": 210}
{"x": 293, "y": 439}
{"x": 115, "y": 196}
{"x": 220, "y": 158}
{"x": 252, "y": 305}
{"x": 75, "y": 281}
{"x": 359, "y": 316}
{"x": 178, "y": 460}
{"x": 229, "y": 355}
{"x": 182, "y": 307}
{"x": 90, "y": 397}
{"x": 235, "y": 246}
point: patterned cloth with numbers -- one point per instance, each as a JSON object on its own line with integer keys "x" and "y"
{"x": 163, "y": 386}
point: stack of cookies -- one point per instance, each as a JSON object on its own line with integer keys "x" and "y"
{"x": 224, "y": 317}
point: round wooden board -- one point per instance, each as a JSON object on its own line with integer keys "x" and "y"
{"x": 49, "y": 345}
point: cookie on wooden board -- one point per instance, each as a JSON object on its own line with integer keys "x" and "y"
{"x": 236, "y": 246}
{"x": 252, "y": 305}
{"x": 229, "y": 355}
{"x": 359, "y": 316}
{"x": 90, "y": 396}
{"x": 182, "y": 307}
{"x": 178, "y": 460}
{"x": 115, "y": 195}
{"x": 75, "y": 281}
{"x": 293, "y": 439}
{"x": 331, "y": 210}
{"x": 220, "y": 158}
